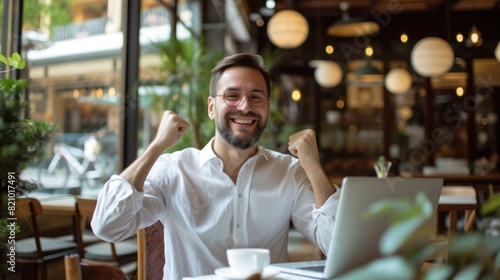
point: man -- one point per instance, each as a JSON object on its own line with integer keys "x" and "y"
{"x": 230, "y": 194}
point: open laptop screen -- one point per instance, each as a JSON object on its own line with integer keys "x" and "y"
{"x": 355, "y": 240}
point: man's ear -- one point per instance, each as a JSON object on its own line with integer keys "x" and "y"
{"x": 211, "y": 105}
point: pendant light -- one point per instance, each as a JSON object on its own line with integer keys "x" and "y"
{"x": 327, "y": 74}
{"x": 349, "y": 26}
{"x": 288, "y": 29}
{"x": 398, "y": 81}
{"x": 475, "y": 39}
{"x": 368, "y": 72}
{"x": 432, "y": 56}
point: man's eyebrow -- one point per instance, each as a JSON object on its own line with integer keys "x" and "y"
{"x": 239, "y": 89}
{"x": 258, "y": 91}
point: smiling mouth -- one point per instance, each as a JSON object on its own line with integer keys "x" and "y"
{"x": 241, "y": 121}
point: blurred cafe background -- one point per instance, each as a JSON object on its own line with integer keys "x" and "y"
{"x": 412, "y": 82}
{"x": 417, "y": 82}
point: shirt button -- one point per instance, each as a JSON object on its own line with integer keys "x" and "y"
{"x": 238, "y": 225}
{"x": 239, "y": 195}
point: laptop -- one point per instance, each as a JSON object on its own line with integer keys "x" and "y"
{"x": 355, "y": 239}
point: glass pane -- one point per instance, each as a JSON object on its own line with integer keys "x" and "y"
{"x": 73, "y": 50}
{"x": 156, "y": 91}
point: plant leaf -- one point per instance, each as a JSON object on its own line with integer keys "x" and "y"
{"x": 401, "y": 233}
{"x": 471, "y": 271}
{"x": 438, "y": 272}
{"x": 16, "y": 56}
{"x": 15, "y": 61}
{"x": 3, "y": 59}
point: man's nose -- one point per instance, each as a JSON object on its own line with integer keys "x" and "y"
{"x": 245, "y": 103}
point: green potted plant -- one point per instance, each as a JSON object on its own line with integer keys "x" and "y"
{"x": 21, "y": 141}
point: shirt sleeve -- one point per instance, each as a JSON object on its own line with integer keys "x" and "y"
{"x": 122, "y": 210}
{"x": 316, "y": 224}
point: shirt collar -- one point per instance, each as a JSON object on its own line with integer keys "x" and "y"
{"x": 207, "y": 153}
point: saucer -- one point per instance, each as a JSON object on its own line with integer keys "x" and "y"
{"x": 226, "y": 273}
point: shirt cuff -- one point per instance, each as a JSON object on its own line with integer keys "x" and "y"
{"x": 331, "y": 204}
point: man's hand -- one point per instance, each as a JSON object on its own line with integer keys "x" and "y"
{"x": 303, "y": 145}
{"x": 171, "y": 129}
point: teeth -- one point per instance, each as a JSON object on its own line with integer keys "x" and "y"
{"x": 243, "y": 121}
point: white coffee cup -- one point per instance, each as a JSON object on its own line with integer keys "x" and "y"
{"x": 247, "y": 261}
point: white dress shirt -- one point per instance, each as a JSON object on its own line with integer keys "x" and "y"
{"x": 205, "y": 213}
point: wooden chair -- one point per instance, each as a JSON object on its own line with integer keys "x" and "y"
{"x": 33, "y": 253}
{"x": 455, "y": 200}
{"x": 78, "y": 270}
{"x": 151, "y": 252}
{"x": 122, "y": 254}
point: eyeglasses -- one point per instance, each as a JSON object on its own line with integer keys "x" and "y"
{"x": 233, "y": 98}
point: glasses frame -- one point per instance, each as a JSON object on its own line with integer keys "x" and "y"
{"x": 241, "y": 93}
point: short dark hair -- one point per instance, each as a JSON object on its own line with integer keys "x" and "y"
{"x": 253, "y": 61}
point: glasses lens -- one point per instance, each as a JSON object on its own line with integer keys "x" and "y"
{"x": 233, "y": 98}
{"x": 257, "y": 99}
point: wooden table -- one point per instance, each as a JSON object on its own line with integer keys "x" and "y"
{"x": 486, "y": 185}
{"x": 461, "y": 178}
{"x": 453, "y": 205}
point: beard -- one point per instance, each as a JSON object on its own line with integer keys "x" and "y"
{"x": 240, "y": 142}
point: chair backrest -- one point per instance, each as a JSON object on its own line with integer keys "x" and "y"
{"x": 78, "y": 270}
{"x": 84, "y": 208}
{"x": 28, "y": 209}
{"x": 150, "y": 252}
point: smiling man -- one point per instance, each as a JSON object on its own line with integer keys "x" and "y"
{"x": 230, "y": 194}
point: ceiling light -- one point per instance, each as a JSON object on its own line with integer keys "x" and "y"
{"x": 369, "y": 51}
{"x": 398, "y": 81}
{"x": 329, "y": 49}
{"x": 432, "y": 56}
{"x": 296, "y": 94}
{"x": 404, "y": 37}
{"x": 368, "y": 72}
{"x": 327, "y": 74}
{"x": 352, "y": 27}
{"x": 475, "y": 38}
{"x": 367, "y": 69}
{"x": 287, "y": 29}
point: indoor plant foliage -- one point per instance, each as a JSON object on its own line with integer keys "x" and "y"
{"x": 21, "y": 141}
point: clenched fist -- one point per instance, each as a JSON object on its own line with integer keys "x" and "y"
{"x": 303, "y": 145}
{"x": 170, "y": 131}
